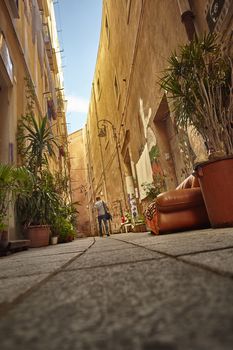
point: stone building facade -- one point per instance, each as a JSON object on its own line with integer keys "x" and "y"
{"x": 131, "y": 140}
{"x": 30, "y": 55}
{"x": 78, "y": 180}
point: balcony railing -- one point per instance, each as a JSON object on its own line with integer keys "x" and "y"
{"x": 49, "y": 49}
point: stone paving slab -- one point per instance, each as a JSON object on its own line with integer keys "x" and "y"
{"x": 37, "y": 265}
{"x": 109, "y": 257}
{"x": 220, "y": 260}
{"x": 117, "y": 245}
{"x": 24, "y": 270}
{"x": 159, "y": 304}
{"x": 185, "y": 242}
{"x": 12, "y": 288}
{"x": 118, "y": 293}
{"x": 107, "y": 241}
{"x": 76, "y": 246}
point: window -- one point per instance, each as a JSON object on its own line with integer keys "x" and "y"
{"x": 116, "y": 87}
{"x": 116, "y": 90}
{"x": 216, "y": 13}
{"x": 107, "y": 29}
{"x": 98, "y": 86}
{"x": 6, "y": 58}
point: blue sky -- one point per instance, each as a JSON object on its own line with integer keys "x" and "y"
{"x": 78, "y": 23}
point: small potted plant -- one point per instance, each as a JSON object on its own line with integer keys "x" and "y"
{"x": 66, "y": 230}
{"x": 54, "y": 238}
{"x": 199, "y": 82}
{"x": 139, "y": 224}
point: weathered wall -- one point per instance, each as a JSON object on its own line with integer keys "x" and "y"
{"x": 31, "y": 54}
{"x": 136, "y": 39}
{"x": 78, "y": 177}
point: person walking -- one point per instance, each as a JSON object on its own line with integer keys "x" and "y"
{"x": 100, "y": 207}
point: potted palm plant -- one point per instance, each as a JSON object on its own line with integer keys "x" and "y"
{"x": 199, "y": 83}
{"x": 36, "y": 208}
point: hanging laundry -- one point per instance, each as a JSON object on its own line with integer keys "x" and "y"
{"x": 51, "y": 110}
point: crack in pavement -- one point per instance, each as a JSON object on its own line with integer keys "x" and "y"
{"x": 192, "y": 263}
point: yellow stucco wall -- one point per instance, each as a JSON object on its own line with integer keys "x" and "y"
{"x": 23, "y": 35}
{"x": 136, "y": 39}
{"x": 78, "y": 177}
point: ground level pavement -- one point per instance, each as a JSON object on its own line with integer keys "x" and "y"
{"x": 128, "y": 291}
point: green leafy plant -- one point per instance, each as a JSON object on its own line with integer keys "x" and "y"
{"x": 154, "y": 153}
{"x": 199, "y": 82}
{"x": 153, "y": 189}
{"x": 38, "y": 205}
{"x": 64, "y": 229}
{"x": 46, "y": 202}
{"x": 37, "y": 142}
{"x": 13, "y": 182}
{"x": 139, "y": 219}
{"x": 65, "y": 212}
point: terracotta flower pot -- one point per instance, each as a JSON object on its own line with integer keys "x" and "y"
{"x": 38, "y": 236}
{"x": 216, "y": 182}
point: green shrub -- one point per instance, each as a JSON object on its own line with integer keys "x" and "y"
{"x": 64, "y": 229}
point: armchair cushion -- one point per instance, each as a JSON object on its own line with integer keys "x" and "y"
{"x": 179, "y": 199}
{"x": 178, "y": 210}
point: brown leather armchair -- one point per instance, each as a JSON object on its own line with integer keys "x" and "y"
{"x": 178, "y": 210}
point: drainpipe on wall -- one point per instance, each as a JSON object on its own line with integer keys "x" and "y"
{"x": 187, "y": 18}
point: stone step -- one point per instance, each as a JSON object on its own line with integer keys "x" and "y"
{"x": 17, "y": 245}
{"x": 14, "y": 246}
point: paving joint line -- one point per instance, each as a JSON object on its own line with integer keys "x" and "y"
{"x": 214, "y": 270}
{"x": 204, "y": 251}
{"x": 25, "y": 275}
{"x": 8, "y": 306}
{"x": 111, "y": 250}
{"x": 191, "y": 263}
{"x": 18, "y": 258}
{"x": 115, "y": 264}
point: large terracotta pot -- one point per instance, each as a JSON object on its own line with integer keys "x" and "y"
{"x": 38, "y": 236}
{"x": 216, "y": 182}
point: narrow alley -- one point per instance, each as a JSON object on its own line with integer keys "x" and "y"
{"x": 128, "y": 291}
{"x": 116, "y": 163}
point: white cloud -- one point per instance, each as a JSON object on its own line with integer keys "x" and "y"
{"x": 77, "y": 104}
